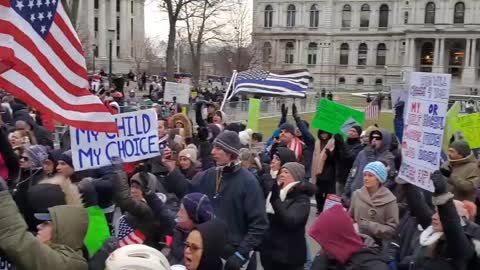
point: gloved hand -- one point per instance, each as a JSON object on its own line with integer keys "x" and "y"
{"x": 3, "y": 185}
{"x": 234, "y": 262}
{"x": 117, "y": 163}
{"x": 284, "y": 110}
{"x": 89, "y": 194}
{"x": 144, "y": 179}
{"x": 275, "y": 192}
{"x": 446, "y": 171}
{"x": 439, "y": 182}
{"x": 294, "y": 111}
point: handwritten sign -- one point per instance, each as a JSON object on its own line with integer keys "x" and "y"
{"x": 469, "y": 125}
{"x": 424, "y": 126}
{"x": 336, "y": 118}
{"x": 178, "y": 91}
{"x": 136, "y": 139}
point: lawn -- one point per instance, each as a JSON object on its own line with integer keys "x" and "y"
{"x": 268, "y": 125}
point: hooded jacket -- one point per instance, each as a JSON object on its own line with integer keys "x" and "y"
{"x": 187, "y": 125}
{"x": 284, "y": 241}
{"x": 465, "y": 178}
{"x": 214, "y": 239}
{"x": 367, "y": 155}
{"x": 27, "y": 253}
{"x": 376, "y": 214}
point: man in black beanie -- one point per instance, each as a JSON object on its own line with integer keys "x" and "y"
{"x": 236, "y": 197}
{"x": 353, "y": 146}
{"x": 464, "y": 178}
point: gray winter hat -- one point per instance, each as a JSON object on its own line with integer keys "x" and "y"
{"x": 229, "y": 142}
{"x": 296, "y": 169}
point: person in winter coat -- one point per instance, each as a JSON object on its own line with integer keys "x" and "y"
{"x": 58, "y": 244}
{"x": 465, "y": 172}
{"x": 26, "y": 122}
{"x": 187, "y": 162}
{"x": 268, "y": 178}
{"x": 236, "y": 198}
{"x": 323, "y": 167}
{"x": 195, "y": 209}
{"x": 353, "y": 146}
{"x": 306, "y": 137}
{"x": 335, "y": 233}
{"x": 288, "y": 208}
{"x": 180, "y": 120}
{"x": 446, "y": 242}
{"x": 205, "y": 246}
{"x": 373, "y": 207}
{"x": 378, "y": 149}
{"x": 10, "y": 160}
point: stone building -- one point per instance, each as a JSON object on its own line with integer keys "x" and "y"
{"x": 370, "y": 45}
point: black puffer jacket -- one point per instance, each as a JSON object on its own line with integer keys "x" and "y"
{"x": 284, "y": 241}
{"x": 364, "y": 259}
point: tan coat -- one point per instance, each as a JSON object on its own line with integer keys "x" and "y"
{"x": 376, "y": 215}
{"x": 465, "y": 178}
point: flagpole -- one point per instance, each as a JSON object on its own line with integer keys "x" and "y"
{"x": 228, "y": 89}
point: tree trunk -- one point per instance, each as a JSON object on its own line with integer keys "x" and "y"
{"x": 171, "y": 49}
{"x": 196, "y": 69}
{"x": 72, "y": 11}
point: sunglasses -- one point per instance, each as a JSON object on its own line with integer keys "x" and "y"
{"x": 192, "y": 247}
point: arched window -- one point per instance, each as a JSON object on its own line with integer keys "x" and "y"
{"x": 314, "y": 13}
{"x": 289, "y": 51}
{"x": 312, "y": 53}
{"x": 267, "y": 52}
{"x": 430, "y": 13}
{"x": 268, "y": 16}
{"x": 291, "y": 15}
{"x": 383, "y": 16}
{"x": 459, "y": 13}
{"x": 378, "y": 82}
{"x": 346, "y": 16}
{"x": 344, "y": 51}
{"x": 341, "y": 80}
{"x": 360, "y": 81}
{"x": 365, "y": 15}
{"x": 381, "y": 54}
{"x": 362, "y": 54}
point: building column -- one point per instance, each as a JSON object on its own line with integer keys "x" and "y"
{"x": 436, "y": 57}
{"x": 468, "y": 74}
{"x": 468, "y": 44}
{"x": 442, "y": 56}
{"x": 113, "y": 25}
{"x": 102, "y": 30}
{"x": 473, "y": 59}
{"x": 407, "y": 51}
{"x": 124, "y": 34}
{"x": 413, "y": 48}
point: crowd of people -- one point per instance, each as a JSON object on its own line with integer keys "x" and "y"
{"x": 221, "y": 197}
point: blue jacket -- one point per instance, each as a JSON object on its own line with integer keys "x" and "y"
{"x": 239, "y": 202}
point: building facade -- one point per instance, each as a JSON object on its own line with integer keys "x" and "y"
{"x": 370, "y": 45}
{"x": 121, "y": 22}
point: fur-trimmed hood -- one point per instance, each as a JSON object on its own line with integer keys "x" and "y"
{"x": 72, "y": 194}
{"x": 187, "y": 125}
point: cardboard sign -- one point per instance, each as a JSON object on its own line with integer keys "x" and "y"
{"x": 136, "y": 139}
{"x": 331, "y": 201}
{"x": 424, "y": 126}
{"x": 253, "y": 114}
{"x": 469, "y": 125}
{"x": 181, "y": 92}
{"x": 335, "y": 118}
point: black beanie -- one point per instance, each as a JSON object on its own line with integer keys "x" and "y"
{"x": 229, "y": 142}
{"x": 67, "y": 158}
{"x": 461, "y": 147}
{"x": 288, "y": 128}
{"x": 358, "y": 129}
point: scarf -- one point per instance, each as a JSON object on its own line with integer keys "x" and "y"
{"x": 429, "y": 237}
{"x": 318, "y": 160}
{"x": 273, "y": 174}
{"x": 296, "y": 145}
{"x": 283, "y": 195}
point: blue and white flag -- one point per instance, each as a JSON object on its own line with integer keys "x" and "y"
{"x": 290, "y": 83}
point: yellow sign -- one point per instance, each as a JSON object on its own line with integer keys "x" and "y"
{"x": 451, "y": 119}
{"x": 469, "y": 125}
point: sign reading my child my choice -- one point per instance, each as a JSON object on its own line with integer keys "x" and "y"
{"x": 136, "y": 139}
{"x": 424, "y": 125}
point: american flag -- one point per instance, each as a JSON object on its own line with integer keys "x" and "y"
{"x": 372, "y": 111}
{"x": 126, "y": 235}
{"x": 45, "y": 64}
{"x": 291, "y": 83}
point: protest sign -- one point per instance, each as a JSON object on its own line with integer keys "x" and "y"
{"x": 336, "y": 118}
{"x": 253, "y": 113}
{"x": 450, "y": 124}
{"x": 331, "y": 201}
{"x": 180, "y": 91}
{"x": 424, "y": 126}
{"x": 217, "y": 85}
{"x": 136, "y": 139}
{"x": 469, "y": 125}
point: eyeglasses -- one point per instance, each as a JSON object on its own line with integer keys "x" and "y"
{"x": 192, "y": 247}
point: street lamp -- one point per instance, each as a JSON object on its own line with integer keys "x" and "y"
{"x": 111, "y": 35}
{"x": 94, "y": 55}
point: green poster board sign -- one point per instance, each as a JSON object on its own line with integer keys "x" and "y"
{"x": 336, "y": 118}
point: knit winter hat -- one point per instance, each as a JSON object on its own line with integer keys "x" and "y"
{"x": 43, "y": 196}
{"x": 378, "y": 169}
{"x": 461, "y": 147}
{"x": 296, "y": 169}
{"x": 67, "y": 158}
{"x": 288, "y": 128}
{"x": 189, "y": 153}
{"x": 285, "y": 155}
{"x": 358, "y": 129}
{"x": 229, "y": 142}
{"x": 37, "y": 154}
{"x": 198, "y": 207}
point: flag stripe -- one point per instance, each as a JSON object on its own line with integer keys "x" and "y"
{"x": 70, "y": 50}
{"x": 269, "y": 87}
{"x": 36, "y": 68}
{"x": 14, "y": 25}
{"x": 262, "y": 90}
{"x": 60, "y": 51}
{"x": 43, "y": 108}
{"x": 62, "y": 26}
{"x": 61, "y": 12}
{"x": 301, "y": 85}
